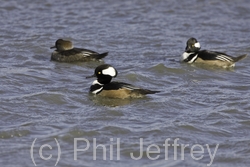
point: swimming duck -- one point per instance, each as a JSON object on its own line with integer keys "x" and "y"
{"x": 65, "y": 52}
{"x": 193, "y": 54}
{"x": 104, "y": 87}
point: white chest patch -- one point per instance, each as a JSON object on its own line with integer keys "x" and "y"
{"x": 97, "y": 90}
{"x": 184, "y": 56}
{"x": 96, "y": 82}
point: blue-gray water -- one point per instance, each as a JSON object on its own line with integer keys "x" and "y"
{"x": 46, "y": 100}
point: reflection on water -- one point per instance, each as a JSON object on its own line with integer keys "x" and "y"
{"x": 110, "y": 101}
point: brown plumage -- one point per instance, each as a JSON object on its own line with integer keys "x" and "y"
{"x": 65, "y": 52}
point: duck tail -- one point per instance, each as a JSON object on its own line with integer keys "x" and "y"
{"x": 240, "y": 57}
{"x": 100, "y": 56}
{"x": 146, "y": 91}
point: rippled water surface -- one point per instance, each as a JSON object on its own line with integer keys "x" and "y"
{"x": 45, "y": 102}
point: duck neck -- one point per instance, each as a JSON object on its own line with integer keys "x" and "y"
{"x": 104, "y": 79}
{"x": 192, "y": 50}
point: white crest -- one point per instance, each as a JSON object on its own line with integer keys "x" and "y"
{"x": 109, "y": 71}
{"x": 197, "y": 45}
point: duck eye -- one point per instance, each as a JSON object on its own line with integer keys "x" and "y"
{"x": 99, "y": 72}
{"x": 192, "y": 45}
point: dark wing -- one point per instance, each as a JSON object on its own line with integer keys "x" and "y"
{"x": 212, "y": 55}
{"x": 145, "y": 91}
{"x": 118, "y": 85}
{"x": 122, "y": 85}
{"x": 71, "y": 52}
{"x": 91, "y": 53}
{"x": 84, "y": 52}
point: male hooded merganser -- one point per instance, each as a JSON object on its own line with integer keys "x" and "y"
{"x": 193, "y": 54}
{"x": 65, "y": 52}
{"x": 104, "y": 87}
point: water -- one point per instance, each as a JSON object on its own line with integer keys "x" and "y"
{"x": 46, "y": 100}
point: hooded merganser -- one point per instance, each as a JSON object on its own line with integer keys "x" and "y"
{"x": 104, "y": 87}
{"x": 65, "y": 52}
{"x": 193, "y": 54}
